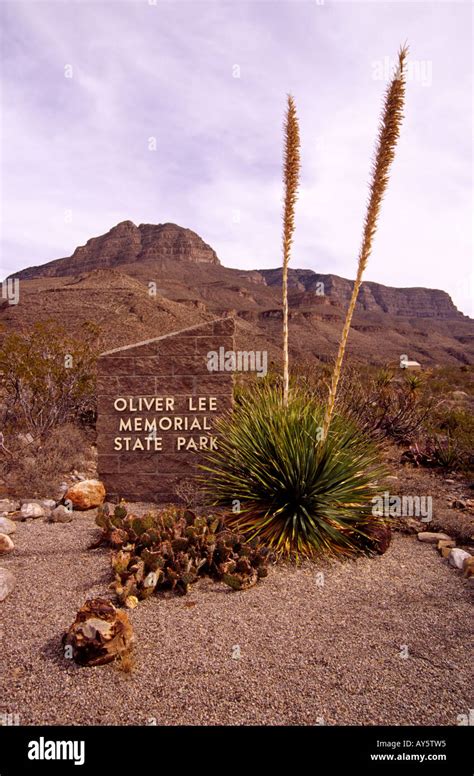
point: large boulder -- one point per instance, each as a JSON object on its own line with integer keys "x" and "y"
{"x": 7, "y": 583}
{"x": 7, "y": 526}
{"x": 86, "y": 494}
{"x": 6, "y": 544}
{"x": 99, "y": 634}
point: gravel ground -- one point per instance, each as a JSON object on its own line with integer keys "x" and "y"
{"x": 321, "y": 644}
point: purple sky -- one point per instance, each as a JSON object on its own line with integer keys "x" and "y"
{"x": 76, "y": 157}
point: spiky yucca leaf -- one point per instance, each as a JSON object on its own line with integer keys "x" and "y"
{"x": 298, "y": 495}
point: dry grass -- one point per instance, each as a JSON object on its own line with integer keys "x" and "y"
{"x": 126, "y": 662}
{"x": 37, "y": 469}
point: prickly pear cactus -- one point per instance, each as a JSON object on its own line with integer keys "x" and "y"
{"x": 170, "y": 549}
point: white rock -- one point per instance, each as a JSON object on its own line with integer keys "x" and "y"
{"x": 6, "y": 505}
{"x": 32, "y": 510}
{"x": 6, "y": 544}
{"x": 7, "y": 583}
{"x": 48, "y": 503}
{"x": 457, "y": 557}
{"x": 43, "y": 502}
{"x": 432, "y": 538}
{"x": 61, "y": 515}
{"x": 7, "y": 526}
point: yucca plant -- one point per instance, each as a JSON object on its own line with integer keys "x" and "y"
{"x": 384, "y": 377}
{"x": 291, "y": 171}
{"x": 413, "y": 382}
{"x": 297, "y": 494}
{"x": 389, "y": 132}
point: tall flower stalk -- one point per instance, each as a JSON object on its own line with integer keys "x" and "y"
{"x": 291, "y": 170}
{"x": 388, "y": 135}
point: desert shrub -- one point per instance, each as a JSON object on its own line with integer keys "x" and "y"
{"x": 294, "y": 492}
{"x": 188, "y": 493}
{"x": 37, "y": 467}
{"x": 446, "y": 452}
{"x": 416, "y": 410}
{"x": 397, "y": 410}
{"x": 445, "y": 379}
{"x": 168, "y": 550}
{"x": 447, "y": 440}
{"x": 383, "y": 378}
{"x": 434, "y": 452}
{"x": 377, "y": 402}
{"x": 384, "y": 405}
{"x": 47, "y": 378}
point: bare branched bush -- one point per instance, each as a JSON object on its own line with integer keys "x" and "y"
{"x": 47, "y": 379}
{"x": 189, "y": 493}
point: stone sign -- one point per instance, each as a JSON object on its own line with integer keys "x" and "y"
{"x": 157, "y": 403}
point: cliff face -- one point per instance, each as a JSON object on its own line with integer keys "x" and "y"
{"x": 107, "y": 282}
{"x": 155, "y": 244}
{"x": 373, "y": 297}
{"x": 126, "y": 244}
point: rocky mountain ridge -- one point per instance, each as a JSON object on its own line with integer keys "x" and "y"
{"x": 373, "y": 297}
{"x": 126, "y": 243}
{"x": 136, "y": 282}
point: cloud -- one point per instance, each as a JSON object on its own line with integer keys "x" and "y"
{"x": 76, "y": 155}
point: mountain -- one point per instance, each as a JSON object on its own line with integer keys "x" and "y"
{"x": 373, "y": 297}
{"x": 142, "y": 281}
{"x": 127, "y": 243}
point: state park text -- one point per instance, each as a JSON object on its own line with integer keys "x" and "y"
{"x": 162, "y": 417}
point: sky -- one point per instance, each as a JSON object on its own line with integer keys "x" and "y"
{"x": 161, "y": 111}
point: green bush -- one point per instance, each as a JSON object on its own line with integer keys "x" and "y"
{"x": 296, "y": 494}
{"x": 47, "y": 378}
